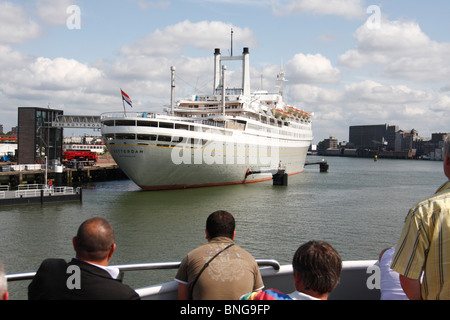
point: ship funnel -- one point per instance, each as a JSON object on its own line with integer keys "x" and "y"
{"x": 217, "y": 70}
{"x": 245, "y": 58}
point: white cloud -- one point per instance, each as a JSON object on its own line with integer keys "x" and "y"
{"x": 205, "y": 35}
{"x": 312, "y": 69}
{"x": 370, "y": 102}
{"x": 350, "y": 9}
{"x": 38, "y": 81}
{"x": 15, "y": 26}
{"x": 441, "y": 105}
{"x": 402, "y": 49}
{"x": 53, "y": 12}
{"x": 398, "y": 49}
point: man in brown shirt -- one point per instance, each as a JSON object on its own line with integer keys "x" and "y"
{"x": 232, "y": 271}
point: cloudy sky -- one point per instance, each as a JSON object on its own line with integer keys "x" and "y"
{"x": 350, "y": 62}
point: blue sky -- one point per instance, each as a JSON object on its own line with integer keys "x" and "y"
{"x": 346, "y": 65}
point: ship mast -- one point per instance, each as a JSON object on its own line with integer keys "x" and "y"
{"x": 232, "y": 41}
{"x": 224, "y": 68}
{"x": 172, "y": 98}
{"x": 281, "y": 79}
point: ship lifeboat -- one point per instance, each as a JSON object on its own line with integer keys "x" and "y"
{"x": 280, "y": 113}
{"x": 292, "y": 110}
{"x": 305, "y": 115}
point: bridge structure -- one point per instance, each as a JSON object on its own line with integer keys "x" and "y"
{"x": 77, "y": 121}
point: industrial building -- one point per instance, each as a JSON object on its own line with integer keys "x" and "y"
{"x": 38, "y": 139}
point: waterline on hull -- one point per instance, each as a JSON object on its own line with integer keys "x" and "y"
{"x": 188, "y": 186}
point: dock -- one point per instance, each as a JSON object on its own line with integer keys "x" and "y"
{"x": 38, "y": 194}
{"x": 35, "y": 174}
{"x": 323, "y": 165}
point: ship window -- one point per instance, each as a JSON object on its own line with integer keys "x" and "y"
{"x": 147, "y": 123}
{"x": 166, "y": 125}
{"x": 150, "y": 137}
{"x": 181, "y": 126}
{"x": 164, "y": 138}
{"x": 125, "y": 123}
{"x": 126, "y": 136}
{"x": 177, "y": 139}
{"x": 108, "y": 123}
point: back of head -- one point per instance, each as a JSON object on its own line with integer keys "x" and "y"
{"x": 220, "y": 224}
{"x": 446, "y": 155}
{"x": 447, "y": 145}
{"x": 3, "y": 283}
{"x": 94, "y": 239}
{"x": 318, "y": 265}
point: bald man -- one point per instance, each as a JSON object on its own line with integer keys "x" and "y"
{"x": 87, "y": 276}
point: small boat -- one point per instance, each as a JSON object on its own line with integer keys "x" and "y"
{"x": 280, "y": 113}
{"x": 297, "y": 112}
{"x": 292, "y": 110}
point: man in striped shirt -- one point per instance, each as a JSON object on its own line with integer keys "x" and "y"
{"x": 422, "y": 257}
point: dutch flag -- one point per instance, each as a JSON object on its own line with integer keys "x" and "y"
{"x": 126, "y": 98}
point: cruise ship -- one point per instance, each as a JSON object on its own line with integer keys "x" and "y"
{"x": 231, "y": 136}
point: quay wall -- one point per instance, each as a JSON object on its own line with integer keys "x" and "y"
{"x": 360, "y": 153}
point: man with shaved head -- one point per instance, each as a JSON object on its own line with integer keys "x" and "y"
{"x": 87, "y": 276}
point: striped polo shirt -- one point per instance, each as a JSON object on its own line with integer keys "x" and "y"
{"x": 424, "y": 245}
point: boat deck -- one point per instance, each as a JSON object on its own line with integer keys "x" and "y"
{"x": 357, "y": 280}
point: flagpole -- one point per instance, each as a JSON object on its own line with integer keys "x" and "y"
{"x": 123, "y": 103}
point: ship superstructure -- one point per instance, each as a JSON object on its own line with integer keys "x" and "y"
{"x": 227, "y": 137}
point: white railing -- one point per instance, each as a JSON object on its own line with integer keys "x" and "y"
{"x": 140, "y": 267}
{"x": 35, "y": 190}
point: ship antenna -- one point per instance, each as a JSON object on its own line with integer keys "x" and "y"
{"x": 281, "y": 79}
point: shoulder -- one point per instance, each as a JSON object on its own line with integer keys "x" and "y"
{"x": 244, "y": 253}
{"x": 52, "y": 264}
{"x": 269, "y": 294}
{"x": 432, "y": 205}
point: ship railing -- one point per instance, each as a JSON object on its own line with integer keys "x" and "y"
{"x": 124, "y": 268}
{"x": 38, "y": 190}
{"x": 207, "y": 121}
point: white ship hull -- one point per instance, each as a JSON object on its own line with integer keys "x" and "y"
{"x": 199, "y": 158}
{"x": 210, "y": 140}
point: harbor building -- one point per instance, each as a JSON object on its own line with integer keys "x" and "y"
{"x": 386, "y": 141}
{"x": 371, "y": 136}
{"x": 38, "y": 139}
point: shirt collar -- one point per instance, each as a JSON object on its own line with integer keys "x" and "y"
{"x": 297, "y": 295}
{"x": 444, "y": 187}
{"x": 113, "y": 271}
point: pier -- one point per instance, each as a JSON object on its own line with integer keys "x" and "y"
{"x": 38, "y": 194}
{"x": 102, "y": 171}
{"x": 323, "y": 165}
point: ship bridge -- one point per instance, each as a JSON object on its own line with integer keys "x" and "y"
{"x": 78, "y": 121}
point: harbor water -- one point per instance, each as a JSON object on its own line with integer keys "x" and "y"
{"x": 358, "y": 206}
